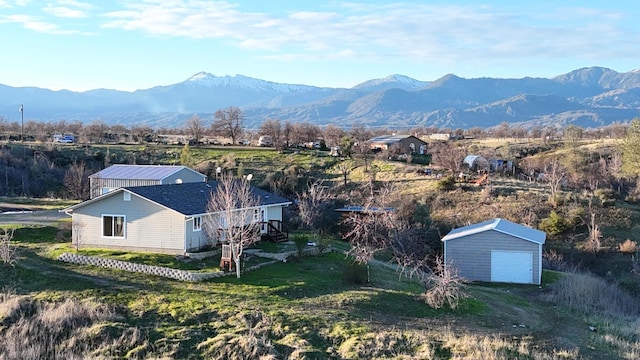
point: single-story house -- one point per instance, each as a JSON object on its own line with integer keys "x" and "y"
{"x": 165, "y": 219}
{"x": 406, "y": 144}
{"x": 123, "y": 175}
{"x": 496, "y": 250}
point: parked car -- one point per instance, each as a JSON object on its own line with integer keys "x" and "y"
{"x": 65, "y": 139}
{"x": 265, "y": 140}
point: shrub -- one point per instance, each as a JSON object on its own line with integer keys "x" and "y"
{"x": 553, "y": 260}
{"x": 248, "y": 340}
{"x": 447, "y": 183}
{"x": 355, "y": 274}
{"x": 628, "y": 247}
{"x": 443, "y": 286}
{"x": 589, "y": 293}
{"x": 379, "y": 345}
{"x": 71, "y": 329}
{"x": 605, "y": 194}
{"x": 553, "y": 225}
{"x": 300, "y": 241}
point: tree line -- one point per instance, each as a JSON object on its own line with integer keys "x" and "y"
{"x": 228, "y": 124}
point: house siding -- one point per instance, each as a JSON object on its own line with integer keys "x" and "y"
{"x": 471, "y": 255}
{"x": 148, "y": 227}
{"x": 405, "y": 145}
{"x": 274, "y": 213}
{"x": 97, "y": 184}
{"x": 186, "y": 176}
{"x": 196, "y": 240}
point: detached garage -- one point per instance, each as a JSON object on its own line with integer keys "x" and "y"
{"x": 496, "y": 250}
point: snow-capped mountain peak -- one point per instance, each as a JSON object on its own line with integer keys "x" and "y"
{"x": 393, "y": 81}
{"x": 204, "y": 79}
{"x": 201, "y": 76}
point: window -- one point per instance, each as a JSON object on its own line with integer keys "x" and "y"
{"x": 197, "y": 223}
{"x": 256, "y": 217}
{"x": 127, "y": 196}
{"x": 113, "y": 226}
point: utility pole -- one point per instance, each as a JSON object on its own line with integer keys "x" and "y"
{"x": 22, "y": 128}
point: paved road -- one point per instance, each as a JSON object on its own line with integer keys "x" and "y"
{"x": 38, "y": 217}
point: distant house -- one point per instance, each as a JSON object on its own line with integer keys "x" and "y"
{"x": 496, "y": 250}
{"x": 441, "y": 137}
{"x": 165, "y": 219}
{"x": 123, "y": 175}
{"x": 405, "y": 144}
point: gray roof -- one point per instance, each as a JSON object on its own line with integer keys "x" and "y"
{"x": 140, "y": 172}
{"x": 390, "y": 139}
{"x": 500, "y": 225}
{"x": 187, "y": 198}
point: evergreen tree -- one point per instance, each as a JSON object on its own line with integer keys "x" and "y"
{"x": 630, "y": 147}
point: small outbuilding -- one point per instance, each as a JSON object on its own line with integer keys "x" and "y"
{"x": 476, "y": 162}
{"x": 496, "y": 250}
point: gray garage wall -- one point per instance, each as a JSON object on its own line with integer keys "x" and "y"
{"x": 471, "y": 255}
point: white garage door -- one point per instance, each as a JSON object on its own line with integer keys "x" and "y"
{"x": 511, "y": 266}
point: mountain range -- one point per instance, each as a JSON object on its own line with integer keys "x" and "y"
{"x": 588, "y": 97}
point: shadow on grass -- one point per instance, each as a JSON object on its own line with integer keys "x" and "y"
{"x": 36, "y": 234}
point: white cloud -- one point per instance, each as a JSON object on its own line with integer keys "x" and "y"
{"x": 422, "y": 33}
{"x": 33, "y": 23}
{"x": 65, "y": 12}
{"x": 68, "y": 9}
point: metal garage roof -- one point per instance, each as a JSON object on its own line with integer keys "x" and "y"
{"x": 140, "y": 172}
{"x": 500, "y": 225}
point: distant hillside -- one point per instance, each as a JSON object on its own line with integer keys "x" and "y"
{"x": 588, "y": 97}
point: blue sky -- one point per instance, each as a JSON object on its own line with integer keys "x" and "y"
{"x": 129, "y": 45}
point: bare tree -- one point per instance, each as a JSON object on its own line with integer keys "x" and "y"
{"x": 345, "y": 168}
{"x": 554, "y": 175}
{"x": 233, "y": 216}
{"x": 595, "y": 233}
{"x": 7, "y": 251}
{"x": 76, "y": 233}
{"x": 273, "y": 128}
{"x": 228, "y": 122}
{"x": 372, "y": 229}
{"x": 333, "y": 135}
{"x": 449, "y": 155}
{"x": 76, "y": 181}
{"x": 195, "y": 127}
{"x": 315, "y": 206}
{"x": 360, "y": 134}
